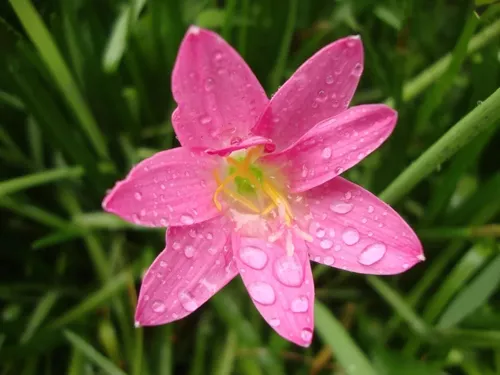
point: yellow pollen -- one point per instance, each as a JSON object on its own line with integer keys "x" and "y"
{"x": 278, "y": 200}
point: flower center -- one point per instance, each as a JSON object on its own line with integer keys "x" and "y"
{"x": 254, "y": 193}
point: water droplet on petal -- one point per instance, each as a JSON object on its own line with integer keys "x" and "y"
{"x": 187, "y": 301}
{"x": 326, "y": 153}
{"x": 205, "y": 119}
{"x": 326, "y": 244}
{"x": 306, "y": 335}
{"x": 187, "y": 219}
{"x": 357, "y": 70}
{"x": 138, "y": 196}
{"x": 209, "y": 236}
{"x": 372, "y": 254}
{"x": 262, "y": 292}
{"x": 288, "y": 270}
{"x": 209, "y": 84}
{"x": 304, "y": 171}
{"x": 350, "y": 236}
{"x": 176, "y": 245}
{"x": 328, "y": 261}
{"x": 253, "y": 257}
{"x": 163, "y": 264}
{"x": 189, "y": 251}
{"x": 341, "y": 207}
{"x": 322, "y": 96}
{"x": 370, "y": 209}
{"x": 320, "y": 233}
{"x": 300, "y": 304}
{"x": 236, "y": 141}
{"x": 329, "y": 79}
{"x": 158, "y": 306}
{"x": 275, "y": 322}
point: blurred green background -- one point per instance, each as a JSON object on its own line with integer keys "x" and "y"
{"x": 85, "y": 94}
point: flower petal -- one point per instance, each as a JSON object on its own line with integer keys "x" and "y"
{"x": 321, "y": 88}
{"x": 219, "y": 98}
{"x": 196, "y": 263}
{"x": 355, "y": 231}
{"x": 173, "y": 187}
{"x": 334, "y": 145}
{"x": 280, "y": 286}
{"x": 240, "y": 144}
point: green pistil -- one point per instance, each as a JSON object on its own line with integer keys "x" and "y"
{"x": 243, "y": 184}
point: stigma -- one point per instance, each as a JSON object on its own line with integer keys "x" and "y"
{"x": 256, "y": 197}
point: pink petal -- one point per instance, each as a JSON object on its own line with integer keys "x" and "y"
{"x": 219, "y": 99}
{"x": 355, "y": 231}
{"x": 321, "y": 88}
{"x": 281, "y": 286}
{"x": 196, "y": 263}
{"x": 240, "y": 144}
{"x": 173, "y": 187}
{"x": 335, "y": 145}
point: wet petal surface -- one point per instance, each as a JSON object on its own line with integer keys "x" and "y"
{"x": 196, "y": 263}
{"x": 281, "y": 286}
{"x": 321, "y": 88}
{"x": 173, "y": 187}
{"x": 334, "y": 146}
{"x": 359, "y": 232}
{"x": 219, "y": 99}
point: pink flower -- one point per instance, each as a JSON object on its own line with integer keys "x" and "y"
{"x": 255, "y": 187}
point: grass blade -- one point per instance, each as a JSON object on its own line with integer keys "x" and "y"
{"x": 480, "y": 119}
{"x": 46, "y": 46}
{"x": 472, "y": 296}
{"x": 344, "y": 348}
{"x": 92, "y": 354}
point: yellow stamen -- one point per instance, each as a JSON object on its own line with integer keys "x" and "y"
{"x": 237, "y": 197}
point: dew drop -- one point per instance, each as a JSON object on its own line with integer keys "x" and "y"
{"x": 187, "y": 301}
{"x": 176, "y": 245}
{"x": 288, "y": 270}
{"x": 320, "y": 233}
{"x": 341, "y": 207}
{"x": 329, "y": 79}
{"x": 357, "y": 70}
{"x": 205, "y": 119}
{"x": 328, "y": 261}
{"x": 306, "y": 335}
{"x": 370, "y": 209}
{"x": 158, "y": 306}
{"x": 253, "y": 257}
{"x": 138, "y": 196}
{"x": 322, "y": 96}
{"x": 189, "y": 251}
{"x": 187, "y": 219}
{"x": 236, "y": 141}
{"x": 163, "y": 264}
{"x": 350, "y": 236}
{"x": 304, "y": 171}
{"x": 262, "y": 292}
{"x": 372, "y": 254}
{"x": 209, "y": 84}
{"x": 326, "y": 244}
{"x": 326, "y": 153}
{"x": 300, "y": 304}
{"x": 209, "y": 236}
{"x": 275, "y": 322}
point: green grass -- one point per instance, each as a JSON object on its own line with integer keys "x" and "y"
{"x": 85, "y": 94}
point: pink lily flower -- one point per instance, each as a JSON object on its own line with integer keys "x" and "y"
{"x": 255, "y": 188}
